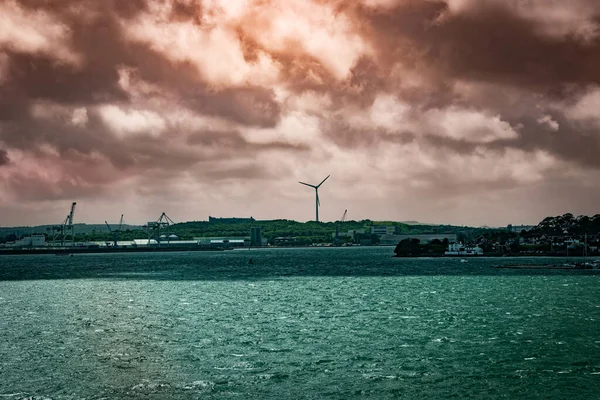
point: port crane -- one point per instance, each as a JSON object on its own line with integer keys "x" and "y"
{"x": 65, "y": 227}
{"x": 115, "y": 232}
{"x": 337, "y": 236}
{"x": 154, "y": 228}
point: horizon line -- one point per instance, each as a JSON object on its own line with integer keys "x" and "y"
{"x": 405, "y": 222}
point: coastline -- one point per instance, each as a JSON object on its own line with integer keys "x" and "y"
{"x": 494, "y": 255}
{"x": 85, "y": 250}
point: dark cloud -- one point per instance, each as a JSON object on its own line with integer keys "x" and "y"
{"x": 422, "y": 53}
{"x": 36, "y": 77}
{"x": 573, "y": 142}
{"x": 186, "y": 11}
{"x": 516, "y": 70}
{"x": 251, "y": 106}
{"x": 101, "y": 43}
{"x": 250, "y": 171}
{"x": 97, "y": 39}
{"x": 235, "y": 140}
{"x": 343, "y": 134}
{"x": 4, "y": 159}
{"x": 79, "y": 8}
{"x": 36, "y": 187}
{"x": 489, "y": 43}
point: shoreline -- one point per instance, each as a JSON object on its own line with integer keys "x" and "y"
{"x": 85, "y": 250}
{"x": 494, "y": 255}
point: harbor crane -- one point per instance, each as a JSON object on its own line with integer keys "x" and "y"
{"x": 337, "y": 236}
{"x": 115, "y": 232}
{"x": 65, "y": 227}
{"x": 154, "y": 228}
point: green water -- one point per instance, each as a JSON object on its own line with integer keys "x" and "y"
{"x": 306, "y": 323}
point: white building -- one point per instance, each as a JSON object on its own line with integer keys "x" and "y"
{"x": 458, "y": 249}
{"x": 225, "y": 241}
{"x": 144, "y": 242}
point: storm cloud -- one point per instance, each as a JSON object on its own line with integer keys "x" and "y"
{"x": 216, "y": 102}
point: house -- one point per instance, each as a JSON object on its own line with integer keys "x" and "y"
{"x": 458, "y": 249}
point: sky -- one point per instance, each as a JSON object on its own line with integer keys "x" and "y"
{"x": 467, "y": 112}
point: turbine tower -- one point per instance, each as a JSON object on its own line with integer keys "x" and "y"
{"x": 316, "y": 194}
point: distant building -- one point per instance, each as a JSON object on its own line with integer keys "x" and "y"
{"x": 144, "y": 242}
{"x": 354, "y": 232}
{"x": 392, "y": 240}
{"x": 285, "y": 241}
{"x": 519, "y": 228}
{"x": 255, "y": 237}
{"x": 366, "y": 242}
{"x": 29, "y": 241}
{"x": 458, "y": 249}
{"x": 164, "y": 238}
{"x": 224, "y": 241}
{"x": 171, "y": 243}
{"x": 381, "y": 230}
{"x": 229, "y": 220}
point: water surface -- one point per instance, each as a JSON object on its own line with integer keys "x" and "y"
{"x": 298, "y": 323}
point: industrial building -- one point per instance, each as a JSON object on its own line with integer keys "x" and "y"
{"x": 28, "y": 241}
{"x": 255, "y": 237}
{"x": 149, "y": 243}
{"x": 223, "y": 241}
{"x": 381, "y": 230}
{"x": 350, "y": 233}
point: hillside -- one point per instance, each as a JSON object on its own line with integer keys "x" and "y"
{"x": 304, "y": 232}
{"x": 321, "y": 232}
{"x": 568, "y": 224}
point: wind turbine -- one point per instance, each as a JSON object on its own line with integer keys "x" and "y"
{"x": 316, "y": 193}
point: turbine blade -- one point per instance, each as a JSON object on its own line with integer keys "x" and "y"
{"x": 312, "y": 186}
{"x": 323, "y": 180}
{"x": 318, "y": 202}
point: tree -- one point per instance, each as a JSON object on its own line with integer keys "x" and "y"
{"x": 408, "y": 247}
{"x": 436, "y": 242}
{"x": 515, "y": 246}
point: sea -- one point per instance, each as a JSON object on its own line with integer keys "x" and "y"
{"x": 312, "y": 323}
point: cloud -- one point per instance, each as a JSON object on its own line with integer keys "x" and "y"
{"x": 468, "y": 125}
{"x": 586, "y": 107}
{"x": 548, "y": 122}
{"x": 80, "y": 117}
{"x": 553, "y": 18}
{"x": 4, "y": 159}
{"x": 312, "y": 28}
{"x": 485, "y": 41}
{"x": 34, "y": 33}
{"x": 123, "y": 122}
{"x": 398, "y": 99}
{"x": 187, "y": 42}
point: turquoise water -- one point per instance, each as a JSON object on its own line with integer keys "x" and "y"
{"x": 298, "y": 323}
